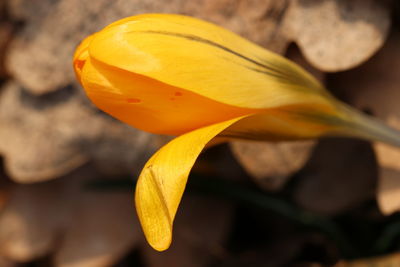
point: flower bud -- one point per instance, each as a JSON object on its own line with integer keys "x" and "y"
{"x": 177, "y": 75}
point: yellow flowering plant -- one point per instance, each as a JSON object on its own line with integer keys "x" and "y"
{"x": 177, "y": 75}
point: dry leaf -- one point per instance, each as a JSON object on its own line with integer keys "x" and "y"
{"x": 7, "y": 263}
{"x": 336, "y": 35}
{"x": 374, "y": 86}
{"x": 340, "y": 175}
{"x": 271, "y": 164}
{"x": 44, "y": 137}
{"x": 33, "y": 146}
{"x": 388, "y": 195}
{"x": 81, "y": 227}
{"x": 31, "y": 220}
{"x": 102, "y": 228}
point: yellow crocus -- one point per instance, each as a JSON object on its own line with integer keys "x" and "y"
{"x": 177, "y": 75}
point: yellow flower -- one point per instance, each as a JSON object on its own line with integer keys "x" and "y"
{"x": 177, "y": 75}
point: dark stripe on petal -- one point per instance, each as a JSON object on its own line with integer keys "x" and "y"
{"x": 276, "y": 72}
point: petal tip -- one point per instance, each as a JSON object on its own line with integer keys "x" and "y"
{"x": 156, "y": 225}
{"x": 160, "y": 245}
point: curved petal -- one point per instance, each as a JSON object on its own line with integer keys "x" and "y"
{"x": 205, "y": 59}
{"x": 163, "y": 180}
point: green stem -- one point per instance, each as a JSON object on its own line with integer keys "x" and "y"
{"x": 364, "y": 126}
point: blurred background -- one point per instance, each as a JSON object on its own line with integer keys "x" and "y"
{"x": 68, "y": 170}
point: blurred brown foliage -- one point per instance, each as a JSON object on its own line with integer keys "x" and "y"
{"x": 66, "y": 185}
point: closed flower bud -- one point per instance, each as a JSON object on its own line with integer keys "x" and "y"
{"x": 177, "y": 75}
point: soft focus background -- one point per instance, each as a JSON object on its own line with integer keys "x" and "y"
{"x": 68, "y": 170}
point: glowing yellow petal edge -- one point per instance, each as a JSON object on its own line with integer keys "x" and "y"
{"x": 163, "y": 179}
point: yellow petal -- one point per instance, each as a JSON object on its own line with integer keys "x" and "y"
{"x": 80, "y": 56}
{"x": 151, "y": 105}
{"x": 203, "y": 58}
{"x": 163, "y": 180}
